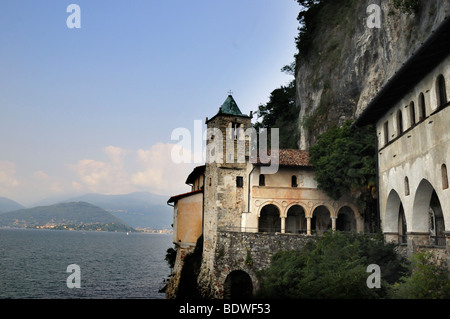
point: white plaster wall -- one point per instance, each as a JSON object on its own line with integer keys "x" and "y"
{"x": 417, "y": 154}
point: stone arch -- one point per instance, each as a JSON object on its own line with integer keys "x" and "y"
{"x": 238, "y": 285}
{"x": 392, "y": 211}
{"x": 269, "y": 218}
{"x": 346, "y": 219}
{"x": 295, "y": 219}
{"x": 436, "y": 222}
{"x": 321, "y": 219}
{"x": 421, "y": 206}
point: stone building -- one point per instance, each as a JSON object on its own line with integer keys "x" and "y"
{"x": 235, "y": 199}
{"x": 413, "y": 128}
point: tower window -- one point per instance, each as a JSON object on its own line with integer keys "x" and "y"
{"x": 239, "y": 181}
{"x": 262, "y": 180}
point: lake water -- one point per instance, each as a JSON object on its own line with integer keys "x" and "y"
{"x": 33, "y": 264}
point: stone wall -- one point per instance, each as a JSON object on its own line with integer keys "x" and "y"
{"x": 248, "y": 252}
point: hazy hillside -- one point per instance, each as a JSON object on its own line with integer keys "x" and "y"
{"x": 140, "y": 209}
{"x": 77, "y": 215}
{"x": 7, "y": 205}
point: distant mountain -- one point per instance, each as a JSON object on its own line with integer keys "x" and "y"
{"x": 139, "y": 209}
{"x": 76, "y": 215}
{"x": 7, "y": 205}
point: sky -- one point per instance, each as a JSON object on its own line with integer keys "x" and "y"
{"x": 92, "y": 109}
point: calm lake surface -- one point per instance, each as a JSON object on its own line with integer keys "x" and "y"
{"x": 33, "y": 264}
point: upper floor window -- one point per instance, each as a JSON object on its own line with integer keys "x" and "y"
{"x": 422, "y": 109}
{"x": 262, "y": 180}
{"x": 444, "y": 176}
{"x": 406, "y": 186}
{"x": 294, "y": 181}
{"x": 399, "y": 122}
{"x": 441, "y": 92}
{"x": 412, "y": 113}
{"x": 386, "y": 132}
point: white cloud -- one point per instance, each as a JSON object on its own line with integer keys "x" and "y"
{"x": 8, "y": 180}
{"x": 102, "y": 177}
{"x": 160, "y": 173}
{"x": 153, "y": 171}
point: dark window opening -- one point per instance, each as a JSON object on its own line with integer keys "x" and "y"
{"x": 262, "y": 180}
{"x": 294, "y": 181}
{"x": 412, "y": 113}
{"x": 239, "y": 181}
{"x": 399, "y": 122}
{"x": 386, "y": 132}
{"x": 423, "y": 112}
{"x": 441, "y": 91}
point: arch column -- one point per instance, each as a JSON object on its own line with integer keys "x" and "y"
{"x": 283, "y": 224}
{"x": 333, "y": 223}
{"x": 308, "y": 225}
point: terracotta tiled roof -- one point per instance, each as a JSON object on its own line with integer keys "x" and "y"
{"x": 291, "y": 157}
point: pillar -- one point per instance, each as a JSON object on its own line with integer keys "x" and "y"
{"x": 333, "y": 223}
{"x": 283, "y": 224}
{"x": 308, "y": 225}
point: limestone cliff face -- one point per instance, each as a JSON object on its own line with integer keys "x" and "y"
{"x": 348, "y": 62}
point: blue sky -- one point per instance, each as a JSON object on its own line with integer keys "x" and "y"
{"x": 93, "y": 109}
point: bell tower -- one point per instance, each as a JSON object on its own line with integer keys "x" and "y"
{"x": 226, "y": 174}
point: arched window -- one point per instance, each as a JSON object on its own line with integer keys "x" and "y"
{"x": 422, "y": 108}
{"x": 294, "y": 181}
{"x": 399, "y": 122}
{"x": 262, "y": 180}
{"x": 386, "y": 132}
{"x": 412, "y": 113}
{"x": 441, "y": 92}
{"x": 406, "y": 186}
{"x": 269, "y": 219}
{"x": 444, "y": 176}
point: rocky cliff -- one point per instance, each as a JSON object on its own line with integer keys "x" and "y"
{"x": 349, "y": 59}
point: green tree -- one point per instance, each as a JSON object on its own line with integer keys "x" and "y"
{"x": 344, "y": 161}
{"x": 332, "y": 266}
{"x": 427, "y": 280}
{"x": 171, "y": 255}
